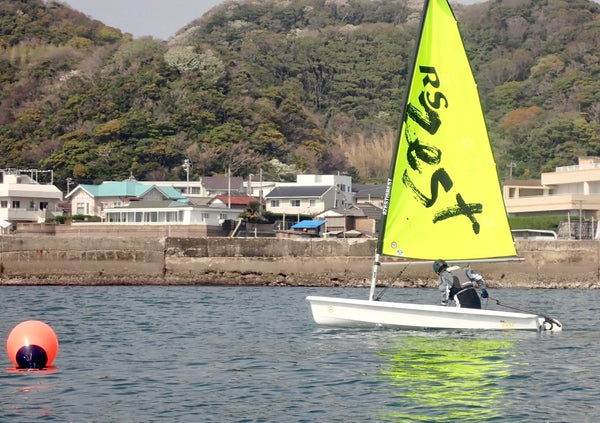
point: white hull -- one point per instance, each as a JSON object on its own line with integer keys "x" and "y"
{"x": 347, "y": 312}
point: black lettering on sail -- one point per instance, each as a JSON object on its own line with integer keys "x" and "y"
{"x": 427, "y": 119}
{"x": 430, "y": 70}
{"x": 461, "y": 208}
{"x": 423, "y": 152}
{"x": 440, "y": 177}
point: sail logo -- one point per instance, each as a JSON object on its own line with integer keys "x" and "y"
{"x": 424, "y": 119}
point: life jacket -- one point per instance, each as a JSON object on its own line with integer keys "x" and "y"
{"x": 462, "y": 289}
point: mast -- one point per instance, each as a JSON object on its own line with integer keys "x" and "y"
{"x": 388, "y": 188}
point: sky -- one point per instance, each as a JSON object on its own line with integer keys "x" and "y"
{"x": 158, "y": 18}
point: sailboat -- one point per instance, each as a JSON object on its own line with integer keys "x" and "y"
{"x": 443, "y": 198}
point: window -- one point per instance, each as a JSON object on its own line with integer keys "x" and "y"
{"x": 16, "y": 204}
{"x": 312, "y": 203}
{"x": 223, "y": 216}
{"x": 43, "y": 205}
{"x": 4, "y": 204}
{"x": 205, "y": 217}
{"x": 274, "y": 203}
{"x": 80, "y": 208}
{"x": 171, "y": 216}
{"x": 295, "y": 203}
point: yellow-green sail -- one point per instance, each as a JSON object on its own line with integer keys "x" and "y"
{"x": 444, "y": 198}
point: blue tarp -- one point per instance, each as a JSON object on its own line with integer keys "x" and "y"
{"x": 309, "y": 224}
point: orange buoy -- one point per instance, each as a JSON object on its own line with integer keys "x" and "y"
{"x": 32, "y": 345}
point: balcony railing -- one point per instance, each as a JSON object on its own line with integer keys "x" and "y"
{"x": 22, "y": 215}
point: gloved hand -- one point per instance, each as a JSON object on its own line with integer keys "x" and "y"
{"x": 484, "y": 293}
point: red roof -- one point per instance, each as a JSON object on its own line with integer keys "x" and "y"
{"x": 235, "y": 200}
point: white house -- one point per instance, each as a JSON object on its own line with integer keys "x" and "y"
{"x": 169, "y": 212}
{"x": 308, "y": 200}
{"x": 311, "y": 194}
{"x": 342, "y": 182}
{"x": 207, "y": 186}
{"x": 569, "y": 190}
{"x": 22, "y": 199}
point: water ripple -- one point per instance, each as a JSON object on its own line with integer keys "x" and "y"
{"x": 228, "y": 354}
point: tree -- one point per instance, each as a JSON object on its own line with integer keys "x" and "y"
{"x": 252, "y": 213}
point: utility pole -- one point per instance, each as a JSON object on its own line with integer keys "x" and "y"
{"x": 186, "y": 166}
{"x": 511, "y": 165}
{"x": 260, "y": 193}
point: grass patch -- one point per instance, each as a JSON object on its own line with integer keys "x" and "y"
{"x": 549, "y": 223}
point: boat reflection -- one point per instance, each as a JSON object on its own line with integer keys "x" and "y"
{"x": 446, "y": 378}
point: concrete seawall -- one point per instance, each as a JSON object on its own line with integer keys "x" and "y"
{"x": 268, "y": 261}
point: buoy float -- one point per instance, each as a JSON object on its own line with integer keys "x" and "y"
{"x": 32, "y": 345}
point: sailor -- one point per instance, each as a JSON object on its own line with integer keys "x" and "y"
{"x": 457, "y": 284}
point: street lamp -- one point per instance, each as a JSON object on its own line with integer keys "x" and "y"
{"x": 186, "y": 166}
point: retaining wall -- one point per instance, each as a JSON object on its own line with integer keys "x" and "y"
{"x": 269, "y": 261}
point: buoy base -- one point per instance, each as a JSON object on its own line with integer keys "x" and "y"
{"x": 31, "y": 357}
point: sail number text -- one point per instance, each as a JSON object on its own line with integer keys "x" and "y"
{"x": 426, "y": 115}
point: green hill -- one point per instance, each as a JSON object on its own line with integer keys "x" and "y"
{"x": 287, "y": 86}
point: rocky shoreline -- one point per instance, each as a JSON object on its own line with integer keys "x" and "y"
{"x": 497, "y": 277}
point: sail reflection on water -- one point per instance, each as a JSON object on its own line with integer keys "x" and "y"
{"x": 447, "y": 379}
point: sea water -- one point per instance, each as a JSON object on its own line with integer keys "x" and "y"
{"x": 253, "y": 354}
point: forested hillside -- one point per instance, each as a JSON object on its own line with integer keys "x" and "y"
{"x": 284, "y": 85}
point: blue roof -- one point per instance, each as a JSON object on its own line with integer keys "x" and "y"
{"x": 129, "y": 189}
{"x": 172, "y": 193}
{"x": 308, "y": 224}
{"x": 117, "y": 189}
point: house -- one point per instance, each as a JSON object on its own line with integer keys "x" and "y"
{"x": 570, "y": 190}
{"x": 258, "y": 188}
{"x": 310, "y": 194}
{"x": 231, "y": 201}
{"x": 207, "y": 186}
{"x": 23, "y": 199}
{"x": 221, "y": 185}
{"x": 94, "y": 199}
{"x": 343, "y": 183}
{"x": 362, "y": 218}
{"x": 169, "y": 212}
{"x": 369, "y": 194}
{"x": 190, "y": 189}
{"x": 309, "y": 200}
